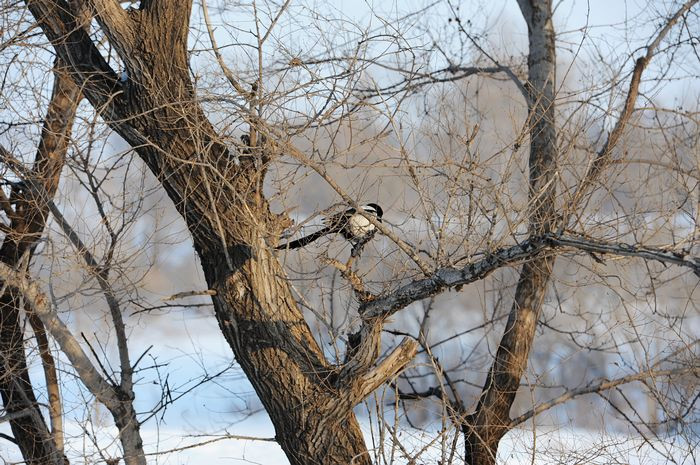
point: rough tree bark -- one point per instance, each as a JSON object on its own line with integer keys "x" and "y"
{"x": 487, "y": 425}
{"x": 27, "y": 221}
{"x": 219, "y": 194}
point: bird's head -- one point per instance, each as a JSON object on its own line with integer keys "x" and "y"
{"x": 374, "y": 209}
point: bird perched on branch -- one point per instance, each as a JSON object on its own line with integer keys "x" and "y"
{"x": 350, "y": 224}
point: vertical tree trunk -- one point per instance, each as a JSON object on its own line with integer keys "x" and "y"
{"x": 485, "y": 428}
{"x": 27, "y": 224}
{"x": 129, "y": 433}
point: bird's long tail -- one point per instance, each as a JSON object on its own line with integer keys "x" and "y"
{"x": 301, "y": 242}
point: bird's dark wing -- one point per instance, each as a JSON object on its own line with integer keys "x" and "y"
{"x": 301, "y": 242}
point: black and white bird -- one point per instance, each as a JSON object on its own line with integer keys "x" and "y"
{"x": 350, "y": 224}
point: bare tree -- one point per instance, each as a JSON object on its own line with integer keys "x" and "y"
{"x": 504, "y": 218}
{"x": 27, "y": 218}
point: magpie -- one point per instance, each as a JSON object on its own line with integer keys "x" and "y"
{"x": 350, "y": 224}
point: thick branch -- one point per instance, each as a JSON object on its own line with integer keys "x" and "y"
{"x": 526, "y": 10}
{"x": 622, "y": 249}
{"x": 15, "y": 415}
{"x": 352, "y": 278}
{"x": 386, "y": 370}
{"x": 448, "y": 277}
{"x": 363, "y": 350}
{"x": 73, "y": 45}
{"x": 118, "y": 401}
{"x": 115, "y": 22}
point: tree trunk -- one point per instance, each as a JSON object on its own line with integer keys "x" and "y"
{"x": 273, "y": 345}
{"x": 219, "y": 194}
{"x": 490, "y": 422}
{"x": 129, "y": 433}
{"x": 26, "y": 226}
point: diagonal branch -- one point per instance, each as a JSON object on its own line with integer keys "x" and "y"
{"x": 448, "y": 277}
{"x": 600, "y": 386}
{"x": 352, "y": 278}
{"x": 102, "y": 390}
{"x": 604, "y": 156}
{"x": 117, "y": 399}
{"x": 73, "y": 45}
{"x": 114, "y": 21}
{"x": 15, "y": 415}
{"x": 385, "y": 370}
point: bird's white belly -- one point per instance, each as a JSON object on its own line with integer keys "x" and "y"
{"x": 359, "y": 226}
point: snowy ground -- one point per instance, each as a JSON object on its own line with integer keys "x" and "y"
{"x": 562, "y": 446}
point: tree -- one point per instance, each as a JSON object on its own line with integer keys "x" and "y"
{"x": 27, "y": 218}
{"x": 144, "y": 90}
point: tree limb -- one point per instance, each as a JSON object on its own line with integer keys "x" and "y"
{"x": 15, "y": 415}
{"x": 38, "y": 302}
{"x": 114, "y": 21}
{"x": 449, "y": 277}
{"x": 72, "y": 43}
{"x": 597, "y": 387}
{"x": 387, "y": 369}
{"x": 604, "y": 156}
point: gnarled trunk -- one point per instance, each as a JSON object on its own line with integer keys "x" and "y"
{"x": 218, "y": 192}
